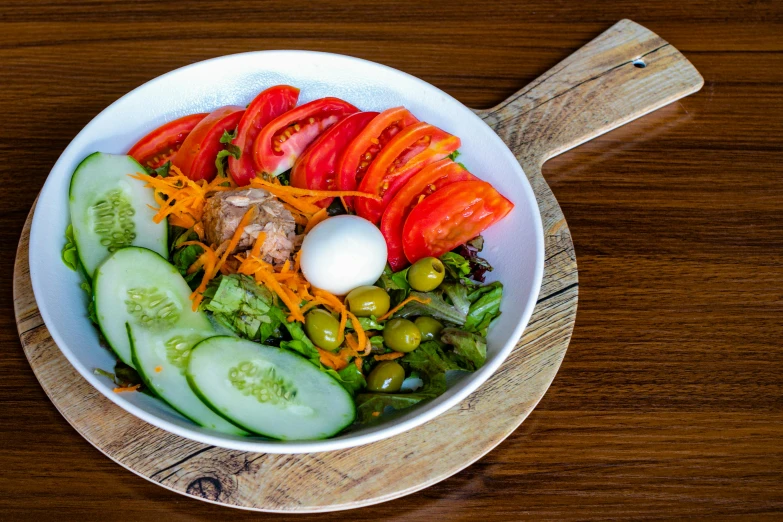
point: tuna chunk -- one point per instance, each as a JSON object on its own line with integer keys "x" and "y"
{"x": 224, "y": 210}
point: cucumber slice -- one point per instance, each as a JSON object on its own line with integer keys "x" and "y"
{"x": 268, "y": 390}
{"x": 109, "y": 209}
{"x": 161, "y": 359}
{"x": 137, "y": 286}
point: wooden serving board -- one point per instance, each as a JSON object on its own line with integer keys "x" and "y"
{"x": 621, "y": 75}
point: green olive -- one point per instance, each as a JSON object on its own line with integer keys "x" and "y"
{"x": 322, "y": 328}
{"x": 401, "y": 335}
{"x": 386, "y": 377}
{"x": 430, "y": 328}
{"x": 426, "y": 274}
{"x": 365, "y": 301}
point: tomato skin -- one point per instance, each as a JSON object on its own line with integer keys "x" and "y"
{"x": 265, "y": 107}
{"x": 415, "y": 147}
{"x": 196, "y": 157}
{"x": 315, "y": 168}
{"x": 426, "y": 182}
{"x": 160, "y": 145}
{"x": 371, "y": 140}
{"x": 450, "y": 217}
{"x": 297, "y": 131}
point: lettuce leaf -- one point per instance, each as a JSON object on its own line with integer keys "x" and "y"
{"x": 370, "y": 406}
{"x": 352, "y": 379}
{"x": 221, "y": 161}
{"x": 457, "y": 266}
{"x": 429, "y": 363}
{"x": 470, "y": 350}
{"x": 437, "y": 308}
{"x": 458, "y": 294}
{"x": 70, "y": 255}
{"x": 162, "y": 171}
{"x": 367, "y": 323}
{"x": 485, "y": 306}
{"x": 246, "y": 308}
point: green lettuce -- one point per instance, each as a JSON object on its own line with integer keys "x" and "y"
{"x": 429, "y": 363}
{"x": 470, "y": 350}
{"x": 370, "y": 406}
{"x": 244, "y": 307}
{"x": 221, "y": 161}
{"x": 485, "y": 306}
{"x": 458, "y": 295}
{"x": 457, "y": 266}
{"x": 437, "y": 308}
{"x": 70, "y": 255}
{"x": 352, "y": 378}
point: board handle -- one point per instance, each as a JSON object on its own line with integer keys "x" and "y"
{"x": 623, "y": 74}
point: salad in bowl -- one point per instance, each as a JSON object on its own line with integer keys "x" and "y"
{"x": 217, "y": 216}
{"x": 285, "y": 270}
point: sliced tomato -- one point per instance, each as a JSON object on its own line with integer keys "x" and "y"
{"x": 315, "y": 168}
{"x": 286, "y": 137}
{"x": 160, "y": 145}
{"x": 450, "y": 217}
{"x": 422, "y": 185}
{"x": 265, "y": 107}
{"x": 412, "y": 149}
{"x": 196, "y": 157}
{"x": 361, "y": 152}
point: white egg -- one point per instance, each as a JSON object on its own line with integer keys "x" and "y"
{"x": 343, "y": 252}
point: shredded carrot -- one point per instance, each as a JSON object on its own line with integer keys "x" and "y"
{"x": 182, "y": 220}
{"x": 123, "y": 389}
{"x": 265, "y": 277}
{"x": 389, "y": 356}
{"x": 358, "y": 362}
{"x": 342, "y": 200}
{"x": 351, "y": 342}
{"x": 245, "y": 221}
{"x": 376, "y": 414}
{"x": 319, "y": 216}
{"x": 399, "y": 306}
{"x": 332, "y": 360}
{"x": 256, "y": 251}
{"x": 361, "y": 336}
{"x": 158, "y": 369}
{"x": 198, "y": 228}
{"x": 279, "y": 190}
{"x": 209, "y": 263}
{"x": 298, "y": 261}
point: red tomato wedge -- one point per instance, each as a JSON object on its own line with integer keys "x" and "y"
{"x": 265, "y": 107}
{"x": 286, "y": 137}
{"x": 451, "y": 216}
{"x": 196, "y": 157}
{"x": 422, "y": 185}
{"x": 412, "y": 149}
{"x": 315, "y": 168}
{"x": 361, "y": 152}
{"x": 157, "y": 147}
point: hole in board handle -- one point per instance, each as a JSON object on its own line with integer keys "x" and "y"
{"x": 639, "y": 63}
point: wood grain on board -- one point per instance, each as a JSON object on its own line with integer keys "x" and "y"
{"x": 668, "y": 403}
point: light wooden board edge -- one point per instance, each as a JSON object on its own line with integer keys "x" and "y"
{"x": 564, "y": 107}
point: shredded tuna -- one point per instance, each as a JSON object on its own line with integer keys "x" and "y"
{"x": 224, "y": 210}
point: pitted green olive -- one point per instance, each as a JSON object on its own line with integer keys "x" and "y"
{"x": 426, "y": 274}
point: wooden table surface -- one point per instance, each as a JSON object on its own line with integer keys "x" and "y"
{"x": 670, "y": 400}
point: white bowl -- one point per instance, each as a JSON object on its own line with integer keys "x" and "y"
{"x": 515, "y": 246}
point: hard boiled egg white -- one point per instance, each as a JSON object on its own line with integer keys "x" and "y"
{"x": 343, "y": 252}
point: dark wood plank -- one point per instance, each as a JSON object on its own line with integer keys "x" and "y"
{"x": 669, "y": 402}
